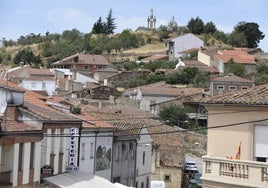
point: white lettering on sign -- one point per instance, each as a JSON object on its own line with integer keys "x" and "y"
{"x": 72, "y": 166}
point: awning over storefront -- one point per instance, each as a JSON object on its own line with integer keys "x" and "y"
{"x": 78, "y": 179}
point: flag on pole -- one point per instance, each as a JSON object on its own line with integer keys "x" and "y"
{"x": 238, "y": 154}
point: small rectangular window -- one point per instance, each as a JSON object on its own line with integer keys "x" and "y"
{"x": 86, "y": 67}
{"x": 117, "y": 153}
{"x": 143, "y": 158}
{"x": 244, "y": 87}
{"x": 232, "y": 88}
{"x": 220, "y": 87}
{"x": 167, "y": 177}
{"x": 83, "y": 152}
{"x": 91, "y": 150}
{"x": 33, "y": 84}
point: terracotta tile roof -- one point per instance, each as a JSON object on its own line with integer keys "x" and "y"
{"x": 125, "y": 119}
{"x": 40, "y": 78}
{"x": 26, "y": 70}
{"x": 251, "y": 97}
{"x": 133, "y": 120}
{"x": 11, "y": 86}
{"x": 19, "y": 71}
{"x": 43, "y": 72}
{"x": 90, "y": 121}
{"x": 231, "y": 78}
{"x": 201, "y": 66}
{"x": 155, "y": 57}
{"x": 173, "y": 92}
{"x": 17, "y": 126}
{"x": 90, "y": 59}
{"x": 35, "y": 104}
{"x": 238, "y": 56}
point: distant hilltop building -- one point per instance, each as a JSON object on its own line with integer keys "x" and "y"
{"x": 151, "y": 20}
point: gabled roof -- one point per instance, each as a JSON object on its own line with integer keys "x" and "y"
{"x": 231, "y": 78}
{"x": 172, "y": 92}
{"x": 35, "y": 104}
{"x": 131, "y": 120}
{"x": 180, "y": 36}
{"x": 87, "y": 59}
{"x": 11, "y": 86}
{"x": 89, "y": 121}
{"x": 40, "y": 78}
{"x": 201, "y": 66}
{"x": 155, "y": 57}
{"x": 10, "y": 126}
{"x": 238, "y": 56}
{"x": 124, "y": 118}
{"x": 255, "y": 96}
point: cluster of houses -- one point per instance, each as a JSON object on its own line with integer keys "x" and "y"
{"x": 72, "y": 120}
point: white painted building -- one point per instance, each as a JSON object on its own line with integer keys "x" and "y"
{"x": 20, "y": 144}
{"x": 90, "y": 161}
{"x": 178, "y": 45}
{"x": 35, "y": 83}
{"x": 144, "y": 159}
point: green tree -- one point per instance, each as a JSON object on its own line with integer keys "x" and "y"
{"x": 251, "y": 31}
{"x": 27, "y": 56}
{"x": 237, "y": 39}
{"x": 99, "y": 27}
{"x": 210, "y": 27}
{"x": 71, "y": 36}
{"x": 173, "y": 114}
{"x": 176, "y": 77}
{"x": 111, "y": 26}
{"x": 262, "y": 74}
{"x": 235, "y": 68}
{"x": 163, "y": 32}
{"x": 196, "y": 25}
{"x": 220, "y": 35}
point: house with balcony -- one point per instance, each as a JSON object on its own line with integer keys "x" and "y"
{"x": 176, "y": 47}
{"x": 229, "y": 83}
{"x": 82, "y": 62}
{"x": 237, "y": 146}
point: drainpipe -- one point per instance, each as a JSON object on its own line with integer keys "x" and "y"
{"x": 112, "y": 158}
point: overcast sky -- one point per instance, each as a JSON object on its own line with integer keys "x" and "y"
{"x": 21, "y": 17}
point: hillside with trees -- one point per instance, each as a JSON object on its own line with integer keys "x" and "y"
{"x": 124, "y": 48}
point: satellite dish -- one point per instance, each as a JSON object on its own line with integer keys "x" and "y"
{"x": 3, "y": 107}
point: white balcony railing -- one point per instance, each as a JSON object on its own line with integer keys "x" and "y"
{"x": 234, "y": 172}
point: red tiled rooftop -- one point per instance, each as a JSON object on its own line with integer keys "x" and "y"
{"x": 84, "y": 59}
{"x": 17, "y": 126}
{"x": 255, "y": 96}
{"x": 231, "y": 78}
{"x": 238, "y": 56}
{"x": 162, "y": 91}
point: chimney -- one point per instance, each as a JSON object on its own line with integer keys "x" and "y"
{"x": 21, "y": 64}
{"x": 12, "y": 112}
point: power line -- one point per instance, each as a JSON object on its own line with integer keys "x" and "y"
{"x": 155, "y": 133}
